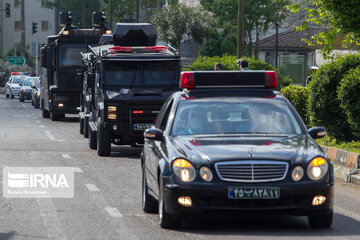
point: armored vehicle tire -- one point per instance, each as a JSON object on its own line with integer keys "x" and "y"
{"x": 103, "y": 140}
{"x": 56, "y": 116}
{"x": 7, "y": 95}
{"x": 45, "y": 113}
{"x": 92, "y": 140}
{"x": 321, "y": 220}
{"x": 86, "y": 127}
{"x": 81, "y": 121}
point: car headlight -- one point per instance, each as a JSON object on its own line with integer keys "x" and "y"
{"x": 184, "y": 170}
{"x": 206, "y": 174}
{"x": 297, "y": 173}
{"x": 38, "y": 94}
{"x": 317, "y": 168}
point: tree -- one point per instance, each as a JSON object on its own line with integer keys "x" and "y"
{"x": 81, "y": 9}
{"x": 259, "y": 15}
{"x": 338, "y": 18}
{"x": 179, "y": 22}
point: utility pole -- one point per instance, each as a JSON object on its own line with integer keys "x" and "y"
{"x": 57, "y": 29}
{"x": 277, "y": 45}
{"x": 137, "y": 10}
{"x": 111, "y": 14}
{"x": 23, "y": 50}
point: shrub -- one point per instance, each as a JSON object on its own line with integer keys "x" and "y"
{"x": 298, "y": 96}
{"x": 229, "y": 63}
{"x": 324, "y": 104}
{"x": 348, "y": 94}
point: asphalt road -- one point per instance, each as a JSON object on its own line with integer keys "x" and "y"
{"x": 107, "y": 200}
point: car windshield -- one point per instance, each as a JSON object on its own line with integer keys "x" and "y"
{"x": 16, "y": 80}
{"x": 141, "y": 74}
{"x": 27, "y": 82}
{"x": 70, "y": 55}
{"x": 234, "y": 116}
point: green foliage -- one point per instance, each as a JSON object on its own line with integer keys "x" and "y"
{"x": 259, "y": 15}
{"x": 348, "y": 94}
{"x": 205, "y": 63}
{"x": 179, "y": 22}
{"x": 352, "y": 146}
{"x": 339, "y": 18}
{"x": 324, "y": 104}
{"x": 81, "y": 10}
{"x": 298, "y": 96}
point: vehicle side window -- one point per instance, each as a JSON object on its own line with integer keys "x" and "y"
{"x": 166, "y": 116}
{"x": 162, "y": 112}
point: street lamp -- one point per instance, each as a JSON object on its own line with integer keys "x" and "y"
{"x": 240, "y": 29}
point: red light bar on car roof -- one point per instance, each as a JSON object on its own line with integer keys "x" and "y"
{"x": 120, "y": 49}
{"x": 14, "y": 73}
{"x": 228, "y": 79}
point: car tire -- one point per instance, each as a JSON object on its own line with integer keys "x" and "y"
{"x": 103, "y": 140}
{"x": 86, "y": 127}
{"x": 45, "y": 113}
{"x": 149, "y": 204}
{"x": 11, "y": 96}
{"x": 321, "y": 220}
{"x": 92, "y": 139}
{"x": 21, "y": 98}
{"x": 81, "y": 123}
{"x": 166, "y": 220}
{"x": 37, "y": 105}
{"x": 7, "y": 95}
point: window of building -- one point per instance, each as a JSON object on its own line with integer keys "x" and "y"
{"x": 18, "y": 26}
{"x": 17, "y": 3}
{"x": 45, "y": 26}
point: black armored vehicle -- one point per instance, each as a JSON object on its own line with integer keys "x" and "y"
{"x": 60, "y": 59}
{"x": 126, "y": 84}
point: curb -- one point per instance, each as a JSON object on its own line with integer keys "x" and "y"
{"x": 346, "y": 164}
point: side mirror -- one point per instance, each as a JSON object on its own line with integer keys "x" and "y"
{"x": 33, "y": 86}
{"x": 154, "y": 134}
{"x": 317, "y": 132}
{"x": 20, "y": 84}
{"x": 91, "y": 80}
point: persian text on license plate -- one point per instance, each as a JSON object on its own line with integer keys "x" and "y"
{"x": 142, "y": 127}
{"x": 254, "y": 193}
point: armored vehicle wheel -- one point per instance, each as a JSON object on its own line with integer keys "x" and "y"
{"x": 81, "y": 122}
{"x": 103, "y": 140}
{"x": 92, "y": 139}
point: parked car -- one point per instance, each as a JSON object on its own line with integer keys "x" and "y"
{"x": 25, "y": 89}
{"x": 35, "y": 94}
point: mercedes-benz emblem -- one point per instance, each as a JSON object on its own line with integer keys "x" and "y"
{"x": 251, "y": 151}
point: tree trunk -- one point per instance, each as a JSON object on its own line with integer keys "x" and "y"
{"x": 256, "y": 44}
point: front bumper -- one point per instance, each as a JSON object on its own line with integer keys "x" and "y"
{"x": 125, "y": 133}
{"x": 295, "y": 199}
{"x": 15, "y": 92}
{"x": 26, "y": 95}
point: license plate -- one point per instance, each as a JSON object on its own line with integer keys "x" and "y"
{"x": 253, "y": 193}
{"x": 142, "y": 127}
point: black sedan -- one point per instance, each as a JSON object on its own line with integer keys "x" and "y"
{"x": 230, "y": 149}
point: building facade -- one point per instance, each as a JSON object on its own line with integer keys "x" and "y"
{"x": 10, "y": 28}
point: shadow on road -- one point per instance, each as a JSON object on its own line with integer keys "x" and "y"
{"x": 268, "y": 225}
{"x": 70, "y": 119}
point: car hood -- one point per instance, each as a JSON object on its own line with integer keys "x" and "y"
{"x": 15, "y": 85}
{"x": 298, "y": 149}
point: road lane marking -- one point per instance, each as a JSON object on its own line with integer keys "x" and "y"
{"x": 66, "y": 156}
{"x": 50, "y": 136}
{"x": 37, "y": 121}
{"x": 78, "y": 170}
{"x": 92, "y": 187}
{"x": 42, "y": 126}
{"x": 23, "y": 105}
{"x": 113, "y": 212}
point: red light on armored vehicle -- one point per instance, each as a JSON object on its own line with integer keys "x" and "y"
{"x": 156, "y": 49}
{"x": 121, "y": 49}
{"x": 138, "y": 112}
{"x": 187, "y": 80}
{"x": 271, "y": 79}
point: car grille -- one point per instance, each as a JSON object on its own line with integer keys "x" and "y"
{"x": 252, "y": 171}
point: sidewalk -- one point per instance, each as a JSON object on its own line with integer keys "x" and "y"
{"x": 346, "y": 164}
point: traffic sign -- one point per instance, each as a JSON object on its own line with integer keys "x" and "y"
{"x": 20, "y": 61}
